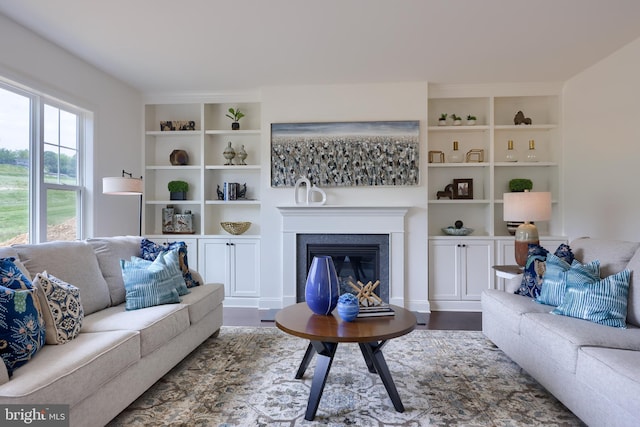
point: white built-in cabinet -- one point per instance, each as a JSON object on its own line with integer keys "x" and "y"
{"x": 217, "y": 255}
{"x": 455, "y": 261}
{"x": 234, "y": 262}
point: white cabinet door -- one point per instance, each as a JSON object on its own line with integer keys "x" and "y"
{"x": 444, "y": 270}
{"x": 476, "y": 273}
{"x": 234, "y": 262}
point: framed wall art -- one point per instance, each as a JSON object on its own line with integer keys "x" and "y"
{"x": 463, "y": 188}
{"x": 333, "y": 154}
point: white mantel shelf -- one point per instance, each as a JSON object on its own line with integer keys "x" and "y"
{"x": 341, "y": 219}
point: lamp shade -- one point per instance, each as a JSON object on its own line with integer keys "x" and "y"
{"x": 122, "y": 186}
{"x": 527, "y": 206}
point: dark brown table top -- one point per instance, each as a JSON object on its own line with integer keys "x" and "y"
{"x": 300, "y": 321}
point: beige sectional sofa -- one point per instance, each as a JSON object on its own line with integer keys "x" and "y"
{"x": 118, "y": 354}
{"x": 593, "y": 369}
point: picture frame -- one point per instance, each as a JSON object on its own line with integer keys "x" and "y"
{"x": 463, "y": 188}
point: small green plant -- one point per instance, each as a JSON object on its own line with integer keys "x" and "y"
{"x": 235, "y": 114}
{"x": 178, "y": 186}
{"x": 454, "y": 117}
{"x": 520, "y": 184}
{"x": 443, "y": 116}
{"x": 470, "y": 117}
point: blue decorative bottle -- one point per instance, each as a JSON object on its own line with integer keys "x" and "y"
{"x": 321, "y": 290}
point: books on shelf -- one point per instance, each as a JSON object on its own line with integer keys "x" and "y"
{"x": 376, "y": 311}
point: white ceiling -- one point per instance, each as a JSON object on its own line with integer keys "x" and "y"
{"x": 212, "y": 45}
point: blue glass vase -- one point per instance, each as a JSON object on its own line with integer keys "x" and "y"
{"x": 321, "y": 289}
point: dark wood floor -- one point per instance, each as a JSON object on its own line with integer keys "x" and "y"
{"x": 443, "y": 320}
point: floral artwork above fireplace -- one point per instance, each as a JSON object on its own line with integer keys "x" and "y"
{"x": 380, "y": 153}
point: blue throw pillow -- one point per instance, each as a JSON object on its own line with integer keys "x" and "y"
{"x": 533, "y": 272}
{"x": 147, "y": 286}
{"x": 555, "y": 280}
{"x": 150, "y": 251}
{"x": 11, "y": 276}
{"x": 170, "y": 260}
{"x": 565, "y": 253}
{"x": 603, "y": 302}
{"x": 22, "y": 330}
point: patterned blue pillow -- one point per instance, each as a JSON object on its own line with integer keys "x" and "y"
{"x": 22, "y": 330}
{"x": 150, "y": 251}
{"x": 555, "y": 281}
{"x": 565, "y": 253}
{"x": 11, "y": 276}
{"x": 533, "y": 272}
{"x": 61, "y": 308}
{"x": 146, "y": 286}
{"x": 603, "y": 302}
{"x": 170, "y": 260}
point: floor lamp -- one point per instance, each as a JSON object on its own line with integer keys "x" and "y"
{"x": 125, "y": 185}
{"x": 526, "y": 206}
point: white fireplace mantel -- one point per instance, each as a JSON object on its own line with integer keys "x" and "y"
{"x": 332, "y": 219}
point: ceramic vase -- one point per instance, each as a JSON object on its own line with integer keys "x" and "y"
{"x": 321, "y": 289}
{"x": 348, "y": 307}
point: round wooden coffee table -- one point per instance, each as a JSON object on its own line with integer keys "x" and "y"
{"x": 326, "y": 332}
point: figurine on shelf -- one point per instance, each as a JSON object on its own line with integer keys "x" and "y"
{"x": 447, "y": 192}
{"x": 229, "y": 153}
{"x": 242, "y": 155}
{"x": 220, "y": 193}
{"x": 520, "y": 119}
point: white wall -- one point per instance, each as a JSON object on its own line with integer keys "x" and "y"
{"x": 365, "y": 102}
{"x": 34, "y": 62}
{"x": 602, "y": 148}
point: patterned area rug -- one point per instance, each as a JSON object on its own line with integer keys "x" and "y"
{"x": 245, "y": 377}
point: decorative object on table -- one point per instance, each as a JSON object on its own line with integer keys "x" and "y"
{"x": 365, "y": 293}
{"x": 183, "y": 223}
{"x": 346, "y": 154}
{"x": 475, "y": 155}
{"x": 321, "y": 288}
{"x": 457, "y": 121}
{"x": 526, "y": 206}
{"x": 242, "y": 155}
{"x": 235, "y": 115}
{"x": 471, "y": 120}
{"x": 173, "y": 125}
{"x": 348, "y": 307}
{"x": 458, "y": 229}
{"x": 520, "y": 185}
{"x": 229, "y": 153}
{"x": 520, "y": 119}
{"x": 436, "y": 155}
{"x": 125, "y": 185}
{"x": 442, "y": 121}
{"x": 455, "y": 156}
{"x": 532, "y": 155}
{"x": 235, "y": 228}
{"x": 447, "y": 192}
{"x": 463, "y": 188}
{"x": 179, "y": 158}
{"x": 511, "y": 155}
{"x": 178, "y": 190}
{"x": 308, "y": 195}
{"x": 167, "y": 219}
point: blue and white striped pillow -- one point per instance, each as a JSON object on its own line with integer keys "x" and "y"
{"x": 170, "y": 259}
{"x": 603, "y": 302}
{"x": 556, "y": 278}
{"x": 150, "y": 285}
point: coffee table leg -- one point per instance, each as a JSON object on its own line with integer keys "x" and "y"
{"x": 308, "y": 356}
{"x": 372, "y": 353}
{"x": 325, "y": 351}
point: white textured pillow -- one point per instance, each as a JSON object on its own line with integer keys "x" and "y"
{"x": 61, "y": 308}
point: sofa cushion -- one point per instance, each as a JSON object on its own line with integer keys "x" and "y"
{"x": 73, "y": 262}
{"x": 603, "y": 302}
{"x": 510, "y": 307}
{"x": 148, "y": 285}
{"x": 612, "y": 372}
{"x": 614, "y": 255}
{"x": 555, "y": 281}
{"x": 560, "y": 337}
{"x": 202, "y": 300}
{"x": 78, "y": 368}
{"x": 150, "y": 250}
{"x": 109, "y": 251}
{"x": 157, "y": 325}
{"x": 61, "y": 308}
{"x": 22, "y": 329}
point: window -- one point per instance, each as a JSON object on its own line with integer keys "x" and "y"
{"x": 41, "y": 146}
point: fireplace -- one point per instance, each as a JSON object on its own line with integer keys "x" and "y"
{"x": 357, "y": 257}
{"x": 331, "y": 221}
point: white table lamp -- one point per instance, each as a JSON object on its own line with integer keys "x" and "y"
{"x": 526, "y": 206}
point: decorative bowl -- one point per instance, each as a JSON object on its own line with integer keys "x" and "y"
{"x": 452, "y": 231}
{"x": 235, "y": 227}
